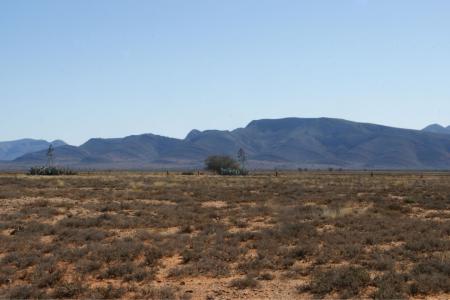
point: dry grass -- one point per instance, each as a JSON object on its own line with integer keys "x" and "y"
{"x": 307, "y": 235}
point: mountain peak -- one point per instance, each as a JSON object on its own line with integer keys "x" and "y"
{"x": 192, "y": 134}
{"x": 57, "y": 143}
{"x": 437, "y": 128}
{"x": 435, "y": 125}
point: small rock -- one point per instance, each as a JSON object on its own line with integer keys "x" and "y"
{"x": 182, "y": 283}
{"x": 189, "y": 291}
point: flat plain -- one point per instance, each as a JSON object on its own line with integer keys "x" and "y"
{"x": 296, "y": 235}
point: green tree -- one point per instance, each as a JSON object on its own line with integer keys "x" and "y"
{"x": 217, "y": 162}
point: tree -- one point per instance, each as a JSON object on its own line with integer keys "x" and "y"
{"x": 218, "y": 162}
{"x": 242, "y": 157}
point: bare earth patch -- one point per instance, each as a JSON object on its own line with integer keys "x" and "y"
{"x": 214, "y": 204}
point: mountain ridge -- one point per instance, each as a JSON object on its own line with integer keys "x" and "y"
{"x": 437, "y": 128}
{"x": 287, "y": 143}
{"x": 10, "y": 150}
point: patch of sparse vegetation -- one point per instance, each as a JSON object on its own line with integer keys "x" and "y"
{"x": 148, "y": 235}
{"x": 390, "y": 285}
{"x": 347, "y": 281}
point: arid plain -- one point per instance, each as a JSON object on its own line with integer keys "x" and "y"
{"x": 296, "y": 235}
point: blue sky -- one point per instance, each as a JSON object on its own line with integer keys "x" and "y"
{"x": 107, "y": 68}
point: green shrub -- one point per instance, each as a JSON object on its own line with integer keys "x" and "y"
{"x": 218, "y": 162}
{"x": 187, "y": 173}
{"x": 50, "y": 171}
{"x": 232, "y": 172}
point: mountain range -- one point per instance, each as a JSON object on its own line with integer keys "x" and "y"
{"x": 13, "y": 149}
{"x": 288, "y": 143}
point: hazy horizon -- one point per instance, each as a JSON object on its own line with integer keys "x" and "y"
{"x": 77, "y": 70}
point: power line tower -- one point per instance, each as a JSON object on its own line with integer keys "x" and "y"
{"x": 50, "y": 153}
{"x": 242, "y": 157}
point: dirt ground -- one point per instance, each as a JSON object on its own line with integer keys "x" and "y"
{"x": 298, "y": 235}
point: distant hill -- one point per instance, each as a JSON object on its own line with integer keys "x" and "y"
{"x": 271, "y": 143}
{"x": 14, "y": 149}
{"x": 436, "y": 128}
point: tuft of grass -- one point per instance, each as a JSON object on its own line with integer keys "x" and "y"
{"x": 247, "y": 282}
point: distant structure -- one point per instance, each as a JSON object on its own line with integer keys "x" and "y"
{"x": 242, "y": 157}
{"x": 50, "y": 155}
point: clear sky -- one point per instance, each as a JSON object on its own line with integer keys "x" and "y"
{"x": 106, "y": 68}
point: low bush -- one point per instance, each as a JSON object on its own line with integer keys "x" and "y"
{"x": 86, "y": 266}
{"x": 163, "y": 293}
{"x": 109, "y": 292}
{"x": 265, "y": 276}
{"x": 232, "y": 171}
{"x": 244, "y": 283}
{"x": 50, "y": 171}
{"x": 68, "y": 290}
{"x": 431, "y": 276}
{"x": 390, "y": 286}
{"x": 25, "y": 291}
{"x": 120, "y": 270}
{"x": 347, "y": 281}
